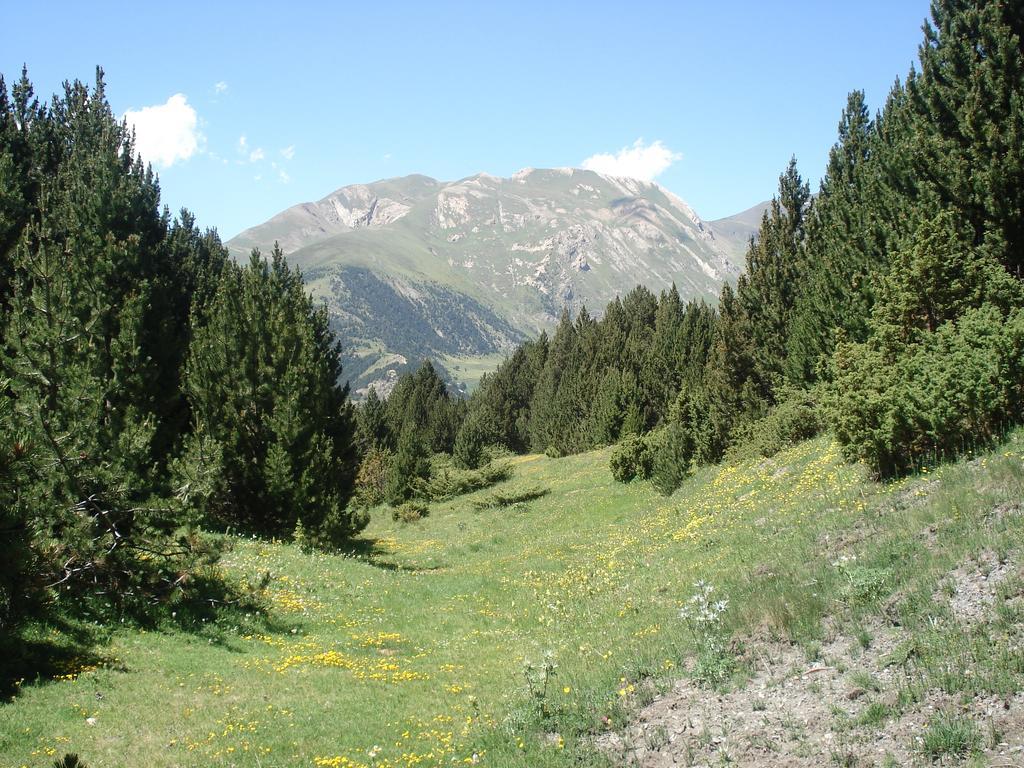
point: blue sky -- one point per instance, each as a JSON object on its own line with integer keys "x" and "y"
{"x": 267, "y": 105}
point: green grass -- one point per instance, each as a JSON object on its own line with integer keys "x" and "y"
{"x": 468, "y": 370}
{"x": 949, "y": 734}
{"x": 515, "y": 634}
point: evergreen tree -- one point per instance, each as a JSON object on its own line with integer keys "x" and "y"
{"x": 84, "y": 344}
{"x": 502, "y": 400}
{"x": 371, "y": 424}
{"x": 768, "y": 289}
{"x": 735, "y": 393}
{"x": 468, "y": 450}
{"x": 411, "y": 463}
{"x": 969, "y": 107}
{"x": 550, "y": 427}
{"x": 845, "y": 247}
{"x": 420, "y": 402}
{"x": 274, "y": 435}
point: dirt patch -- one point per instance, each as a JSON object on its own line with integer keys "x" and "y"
{"x": 836, "y": 709}
{"x": 974, "y": 585}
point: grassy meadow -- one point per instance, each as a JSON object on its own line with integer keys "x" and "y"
{"x": 510, "y": 636}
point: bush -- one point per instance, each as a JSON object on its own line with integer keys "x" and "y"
{"x": 497, "y": 500}
{"x": 410, "y": 512}
{"x": 446, "y": 483}
{"x": 631, "y": 459}
{"x": 895, "y": 404}
{"x": 795, "y": 418}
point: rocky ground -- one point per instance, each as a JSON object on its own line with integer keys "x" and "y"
{"x": 849, "y": 704}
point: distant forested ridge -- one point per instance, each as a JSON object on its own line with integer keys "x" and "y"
{"x": 149, "y": 386}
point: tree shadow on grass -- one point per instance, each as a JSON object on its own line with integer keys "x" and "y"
{"x": 371, "y": 552}
{"x": 59, "y": 648}
{"x": 60, "y": 642}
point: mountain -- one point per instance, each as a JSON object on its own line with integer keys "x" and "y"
{"x": 413, "y": 267}
{"x": 734, "y": 232}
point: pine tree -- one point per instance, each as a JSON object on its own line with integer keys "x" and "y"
{"x": 411, "y": 463}
{"x": 845, "y": 248}
{"x": 470, "y": 441}
{"x": 549, "y": 426}
{"x": 768, "y": 289}
{"x": 735, "y": 393}
{"x": 969, "y": 105}
{"x": 262, "y": 381}
{"x": 371, "y": 424}
{"x": 420, "y": 402}
{"x": 82, "y": 346}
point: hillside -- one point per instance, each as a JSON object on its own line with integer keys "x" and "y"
{"x": 734, "y": 232}
{"x": 413, "y": 267}
{"x": 536, "y": 634}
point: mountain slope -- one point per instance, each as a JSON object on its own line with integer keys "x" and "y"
{"x": 734, "y": 232}
{"x": 412, "y": 267}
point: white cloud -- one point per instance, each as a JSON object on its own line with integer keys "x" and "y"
{"x": 220, "y": 87}
{"x": 288, "y": 152}
{"x": 243, "y": 144}
{"x": 282, "y": 174}
{"x": 166, "y": 133}
{"x": 256, "y": 155}
{"x": 635, "y": 162}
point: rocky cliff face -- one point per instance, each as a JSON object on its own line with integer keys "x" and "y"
{"x": 412, "y": 267}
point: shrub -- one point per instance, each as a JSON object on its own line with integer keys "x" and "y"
{"x": 894, "y": 404}
{"x": 796, "y": 417}
{"x": 631, "y": 459}
{"x": 511, "y": 499}
{"x": 410, "y": 512}
{"x": 446, "y": 483}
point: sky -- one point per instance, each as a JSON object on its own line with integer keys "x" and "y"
{"x": 246, "y": 108}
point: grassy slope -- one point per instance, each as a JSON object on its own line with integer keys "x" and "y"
{"x": 413, "y": 655}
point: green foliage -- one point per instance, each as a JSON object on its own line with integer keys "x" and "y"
{"x": 468, "y": 450}
{"x": 18, "y": 563}
{"x": 900, "y": 404}
{"x": 631, "y": 459}
{"x": 845, "y": 244}
{"x": 671, "y": 450}
{"x": 97, "y": 289}
{"x": 262, "y": 381}
{"x": 502, "y": 401}
{"x": 950, "y": 734}
{"x": 371, "y": 423}
{"x": 410, "y": 512}
{"x": 420, "y": 403}
{"x": 447, "y": 483}
{"x": 797, "y": 417}
{"x": 767, "y": 291}
{"x": 372, "y": 477}
{"x": 410, "y": 465}
{"x": 500, "y": 500}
